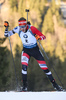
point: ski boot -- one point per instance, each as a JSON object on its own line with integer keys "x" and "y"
{"x": 24, "y": 89}
{"x": 57, "y": 87}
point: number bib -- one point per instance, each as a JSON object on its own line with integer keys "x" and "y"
{"x": 28, "y": 40}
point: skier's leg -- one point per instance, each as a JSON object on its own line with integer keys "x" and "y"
{"x": 40, "y": 59}
{"x": 24, "y": 61}
{"x": 24, "y": 75}
{"x": 43, "y": 66}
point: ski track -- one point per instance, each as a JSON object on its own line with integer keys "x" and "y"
{"x": 54, "y": 95}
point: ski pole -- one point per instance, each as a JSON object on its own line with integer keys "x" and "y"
{"x": 13, "y": 61}
{"x": 27, "y": 10}
{"x": 12, "y": 58}
{"x": 50, "y": 62}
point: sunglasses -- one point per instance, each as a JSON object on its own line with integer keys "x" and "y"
{"x": 22, "y": 26}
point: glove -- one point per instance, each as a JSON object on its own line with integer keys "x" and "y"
{"x": 6, "y": 24}
{"x": 37, "y": 37}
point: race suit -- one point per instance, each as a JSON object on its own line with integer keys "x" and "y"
{"x": 30, "y": 48}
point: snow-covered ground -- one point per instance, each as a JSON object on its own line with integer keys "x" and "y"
{"x": 32, "y": 95}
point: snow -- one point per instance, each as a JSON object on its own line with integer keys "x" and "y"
{"x": 32, "y": 95}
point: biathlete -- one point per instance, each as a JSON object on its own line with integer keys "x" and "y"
{"x": 29, "y": 36}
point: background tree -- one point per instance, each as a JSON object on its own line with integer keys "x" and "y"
{"x": 48, "y": 25}
{"x": 14, "y": 5}
{"x": 53, "y": 6}
{"x": 18, "y": 64}
{"x": 4, "y": 67}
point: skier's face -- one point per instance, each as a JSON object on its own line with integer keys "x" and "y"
{"x": 23, "y": 28}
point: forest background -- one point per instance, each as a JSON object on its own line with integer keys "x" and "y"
{"x": 47, "y": 17}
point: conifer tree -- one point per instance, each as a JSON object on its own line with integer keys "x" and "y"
{"x": 59, "y": 51}
{"x": 36, "y": 8}
{"x": 53, "y": 6}
{"x": 4, "y": 69}
{"x": 48, "y": 25}
{"x": 14, "y": 4}
{"x": 18, "y": 63}
{"x": 22, "y": 7}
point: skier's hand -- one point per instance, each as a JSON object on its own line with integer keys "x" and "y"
{"x": 37, "y": 37}
{"x": 6, "y": 24}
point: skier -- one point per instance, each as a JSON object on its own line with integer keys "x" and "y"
{"x": 29, "y": 36}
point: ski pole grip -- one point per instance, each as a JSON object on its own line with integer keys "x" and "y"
{"x": 27, "y": 10}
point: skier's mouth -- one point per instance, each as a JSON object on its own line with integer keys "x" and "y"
{"x": 23, "y": 30}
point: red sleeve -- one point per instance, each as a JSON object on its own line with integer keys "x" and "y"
{"x": 37, "y": 32}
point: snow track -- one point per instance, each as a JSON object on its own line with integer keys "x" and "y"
{"x": 32, "y": 95}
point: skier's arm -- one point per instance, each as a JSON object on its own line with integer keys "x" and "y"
{"x": 6, "y": 25}
{"x": 38, "y": 33}
{"x": 9, "y": 33}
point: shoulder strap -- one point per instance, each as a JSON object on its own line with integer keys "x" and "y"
{"x": 19, "y": 33}
{"x": 30, "y": 30}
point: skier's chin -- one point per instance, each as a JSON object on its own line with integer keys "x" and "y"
{"x": 23, "y": 31}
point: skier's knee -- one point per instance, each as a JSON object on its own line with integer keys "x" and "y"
{"x": 24, "y": 67}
